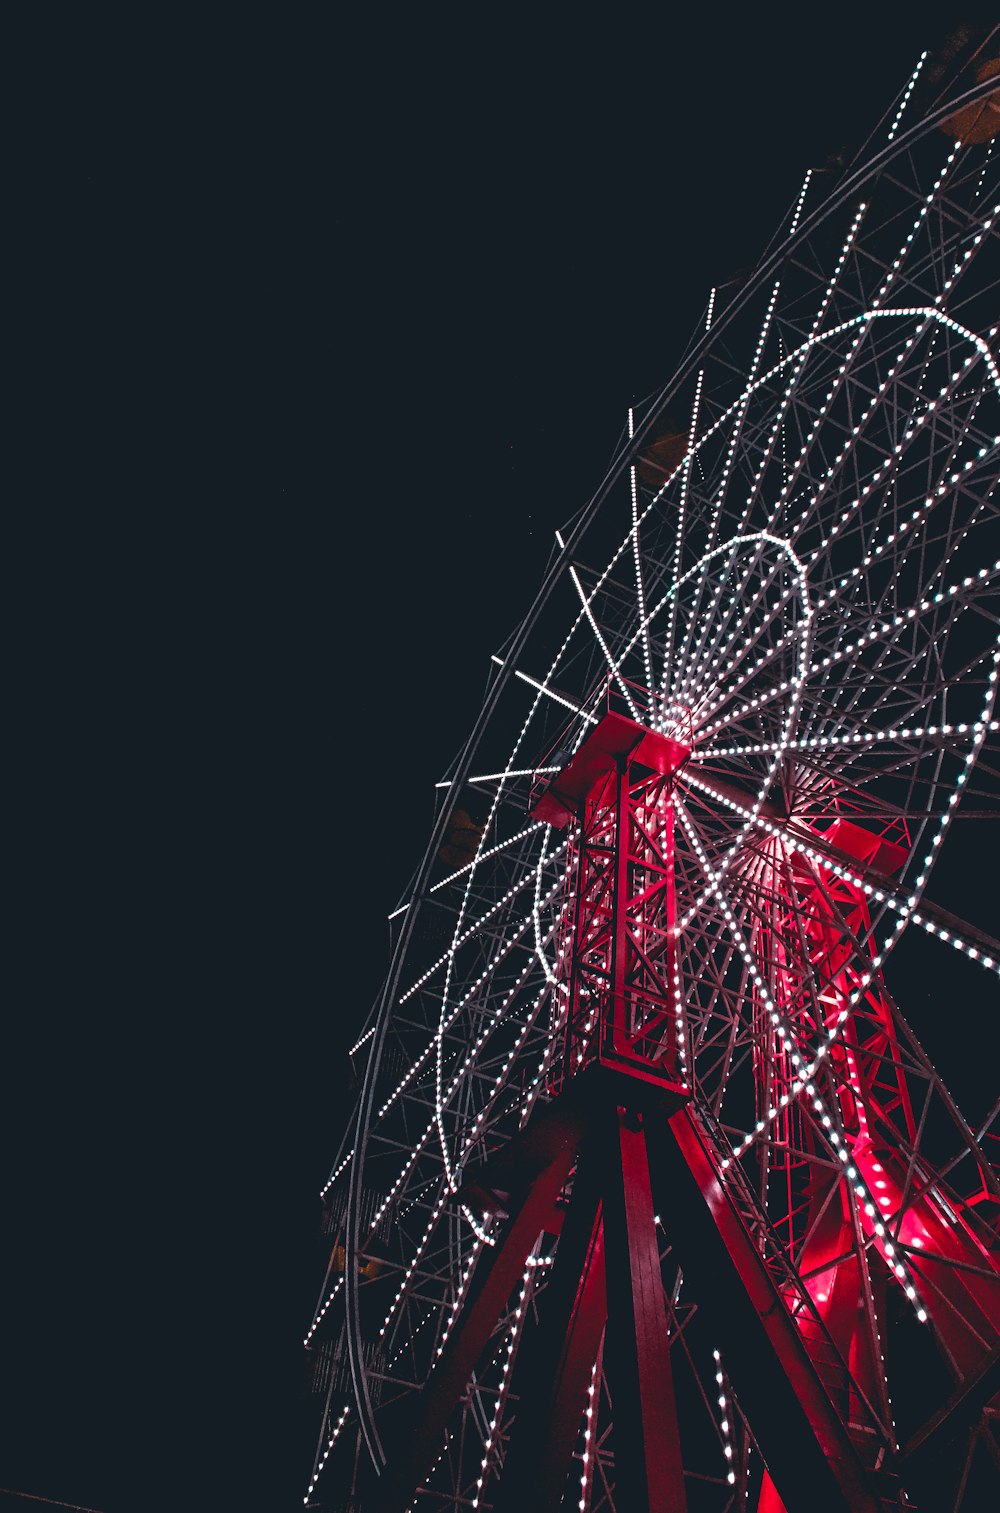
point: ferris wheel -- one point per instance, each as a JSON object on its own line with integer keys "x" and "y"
{"x": 654, "y": 1197}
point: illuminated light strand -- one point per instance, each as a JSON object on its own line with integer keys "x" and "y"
{"x": 739, "y": 416}
{"x": 991, "y": 726}
{"x": 456, "y": 1083}
{"x": 513, "y": 940}
{"x": 483, "y": 1115}
{"x": 965, "y": 258}
{"x": 469, "y": 933}
{"x": 724, "y": 1426}
{"x": 459, "y": 1074}
{"x": 679, "y": 534}
{"x": 701, "y": 669}
{"x": 422, "y": 1324}
{"x": 626, "y": 691}
{"x": 552, "y": 971}
{"x": 876, "y": 549}
{"x": 544, "y": 1068}
{"x": 905, "y": 908}
{"x": 558, "y": 697}
{"x": 439, "y": 1037}
{"x": 872, "y": 1215}
{"x": 907, "y": 911}
{"x": 816, "y": 337}
{"x": 797, "y": 368}
{"x": 493, "y": 777}
{"x": 587, "y": 1458}
{"x": 793, "y": 704}
{"x": 679, "y": 1021}
{"x": 685, "y": 692}
{"x": 708, "y": 312}
{"x": 744, "y": 401}
{"x": 845, "y": 1151}
{"x": 332, "y": 1179}
{"x": 740, "y": 409}
{"x": 782, "y": 1025}
{"x": 501, "y": 845}
{"x": 864, "y": 322}
{"x": 906, "y": 96}
{"x": 884, "y": 631}
{"x": 716, "y": 672}
{"x": 931, "y": 314}
{"x": 453, "y": 1088}
{"x": 800, "y": 202}
{"x": 868, "y": 738}
{"x": 456, "y": 1307}
{"x": 925, "y": 606}
{"x": 322, "y": 1311}
{"x": 450, "y": 955}
{"x": 408, "y": 1166}
{"x": 415, "y": 1259}
{"x": 834, "y": 594}
{"x": 983, "y": 171}
{"x": 512, "y": 1341}
{"x": 729, "y": 546}
{"x": 864, "y": 980}
{"x": 342, "y": 1420}
{"x": 686, "y": 478}
{"x": 784, "y": 1029}
{"x": 647, "y": 655}
{"x": 366, "y": 1036}
{"x": 935, "y": 599}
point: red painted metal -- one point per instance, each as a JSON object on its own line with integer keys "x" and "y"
{"x": 649, "y": 1470}
{"x": 613, "y": 737}
{"x": 781, "y": 1382}
{"x": 555, "y": 1362}
{"x": 948, "y": 1250}
{"x": 607, "y": 1269}
{"x": 624, "y": 1010}
{"x": 417, "y": 1435}
{"x": 803, "y": 1355}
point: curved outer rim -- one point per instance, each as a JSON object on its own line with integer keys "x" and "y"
{"x": 762, "y": 273}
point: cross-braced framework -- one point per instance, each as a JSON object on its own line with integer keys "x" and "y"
{"x": 640, "y": 1106}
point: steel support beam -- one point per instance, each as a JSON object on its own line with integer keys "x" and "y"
{"x": 801, "y": 1437}
{"x": 555, "y": 1360}
{"x": 418, "y": 1433}
{"x": 649, "y": 1471}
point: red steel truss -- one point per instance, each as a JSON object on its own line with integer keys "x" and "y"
{"x": 802, "y": 1344}
{"x": 652, "y": 1197}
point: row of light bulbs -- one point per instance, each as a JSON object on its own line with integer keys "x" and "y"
{"x": 508, "y": 1360}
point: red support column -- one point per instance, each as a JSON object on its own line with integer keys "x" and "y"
{"x": 649, "y": 1472}
{"x": 419, "y": 1434}
{"x": 555, "y": 1362}
{"x": 800, "y": 1434}
{"x": 616, "y": 1016}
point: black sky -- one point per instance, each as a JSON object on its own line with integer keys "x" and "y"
{"x": 336, "y": 323}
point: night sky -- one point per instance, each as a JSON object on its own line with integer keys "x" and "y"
{"x": 335, "y": 325}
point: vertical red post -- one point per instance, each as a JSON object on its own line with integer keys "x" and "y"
{"x": 615, "y": 1027}
{"x": 555, "y": 1361}
{"x": 649, "y": 1471}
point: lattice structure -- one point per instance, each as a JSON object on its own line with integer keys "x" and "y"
{"x": 654, "y": 1197}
